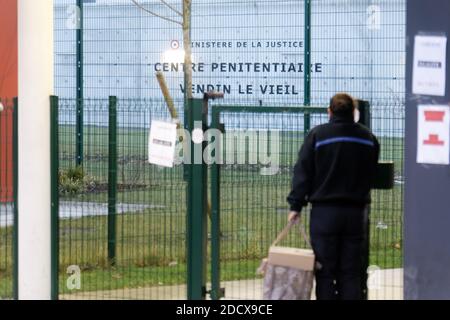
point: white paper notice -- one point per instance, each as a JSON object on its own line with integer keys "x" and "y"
{"x": 433, "y": 134}
{"x": 161, "y": 144}
{"x": 429, "y": 65}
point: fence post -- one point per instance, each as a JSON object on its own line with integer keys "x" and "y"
{"x": 54, "y": 172}
{"x": 364, "y": 110}
{"x": 112, "y": 180}
{"x": 79, "y": 82}
{"x": 216, "y": 292}
{"x": 365, "y": 119}
{"x": 307, "y": 65}
{"x": 197, "y": 203}
{"x": 15, "y": 147}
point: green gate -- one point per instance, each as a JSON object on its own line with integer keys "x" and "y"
{"x": 249, "y": 186}
{"x": 248, "y": 197}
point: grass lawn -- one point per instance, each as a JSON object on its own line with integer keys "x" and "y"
{"x": 151, "y": 243}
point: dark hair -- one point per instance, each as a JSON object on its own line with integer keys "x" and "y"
{"x": 343, "y": 105}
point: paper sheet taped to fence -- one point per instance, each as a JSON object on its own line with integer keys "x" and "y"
{"x": 161, "y": 148}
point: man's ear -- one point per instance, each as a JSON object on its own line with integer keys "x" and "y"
{"x": 356, "y": 115}
{"x": 330, "y": 113}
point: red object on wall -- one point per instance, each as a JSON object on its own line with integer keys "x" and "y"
{"x": 8, "y": 90}
{"x": 435, "y": 116}
{"x": 433, "y": 140}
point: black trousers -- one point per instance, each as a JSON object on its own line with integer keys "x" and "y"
{"x": 338, "y": 235}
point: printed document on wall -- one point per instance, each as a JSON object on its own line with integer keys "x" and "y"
{"x": 433, "y": 134}
{"x": 429, "y": 70}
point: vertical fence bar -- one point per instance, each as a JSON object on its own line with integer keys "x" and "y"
{"x": 365, "y": 119}
{"x": 112, "y": 180}
{"x": 79, "y": 82}
{"x": 54, "y": 172}
{"x": 215, "y": 213}
{"x": 307, "y": 63}
{"x": 197, "y": 204}
{"x": 15, "y": 151}
{"x": 364, "y": 110}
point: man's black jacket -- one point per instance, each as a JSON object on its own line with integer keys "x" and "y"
{"x": 336, "y": 165}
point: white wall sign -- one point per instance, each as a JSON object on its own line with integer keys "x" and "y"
{"x": 429, "y": 65}
{"x": 161, "y": 144}
{"x": 433, "y": 134}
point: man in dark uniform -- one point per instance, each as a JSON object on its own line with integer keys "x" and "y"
{"x": 334, "y": 172}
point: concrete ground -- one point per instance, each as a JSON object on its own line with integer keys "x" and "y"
{"x": 383, "y": 285}
{"x": 78, "y": 209}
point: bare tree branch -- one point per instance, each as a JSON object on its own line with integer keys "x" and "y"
{"x": 155, "y": 14}
{"x": 166, "y": 94}
{"x": 172, "y": 8}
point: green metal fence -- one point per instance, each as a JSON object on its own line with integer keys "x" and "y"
{"x": 8, "y": 199}
{"x": 123, "y": 224}
{"x": 250, "y": 198}
{"x": 121, "y": 220}
{"x": 250, "y": 194}
{"x": 356, "y": 46}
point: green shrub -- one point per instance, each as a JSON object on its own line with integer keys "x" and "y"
{"x": 74, "y": 181}
{"x": 76, "y": 173}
